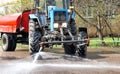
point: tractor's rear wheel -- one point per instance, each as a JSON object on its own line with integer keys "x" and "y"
{"x": 69, "y": 49}
{"x": 8, "y": 42}
{"x": 34, "y": 38}
{"x": 82, "y": 49}
{"x": 73, "y": 27}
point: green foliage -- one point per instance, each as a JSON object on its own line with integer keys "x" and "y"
{"x": 102, "y": 11}
{"x": 95, "y": 42}
{"x": 16, "y": 6}
{"x": 26, "y": 4}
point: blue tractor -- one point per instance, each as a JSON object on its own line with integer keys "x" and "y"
{"x": 53, "y": 22}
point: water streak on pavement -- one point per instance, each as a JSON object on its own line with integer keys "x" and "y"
{"x": 54, "y": 61}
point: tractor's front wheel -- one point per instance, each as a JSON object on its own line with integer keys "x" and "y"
{"x": 34, "y": 38}
{"x": 69, "y": 49}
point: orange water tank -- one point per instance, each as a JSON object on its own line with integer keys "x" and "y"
{"x": 10, "y": 23}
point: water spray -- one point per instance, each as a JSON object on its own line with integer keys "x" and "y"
{"x": 37, "y": 55}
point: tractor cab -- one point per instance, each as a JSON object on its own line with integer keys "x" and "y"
{"x": 61, "y": 4}
{"x": 56, "y": 11}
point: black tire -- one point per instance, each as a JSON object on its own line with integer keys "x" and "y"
{"x": 34, "y": 38}
{"x": 14, "y": 41}
{"x": 69, "y": 49}
{"x": 8, "y": 42}
{"x": 73, "y": 27}
{"x": 82, "y": 51}
{"x": 83, "y": 35}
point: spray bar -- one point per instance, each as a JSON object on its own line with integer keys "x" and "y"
{"x": 58, "y": 42}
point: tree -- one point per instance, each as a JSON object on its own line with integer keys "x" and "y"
{"x": 103, "y": 11}
{"x": 16, "y": 6}
{"x": 26, "y": 4}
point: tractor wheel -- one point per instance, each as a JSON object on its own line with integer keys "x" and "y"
{"x": 82, "y": 51}
{"x": 8, "y": 42}
{"x": 83, "y": 35}
{"x": 69, "y": 49}
{"x": 34, "y": 38}
{"x": 73, "y": 27}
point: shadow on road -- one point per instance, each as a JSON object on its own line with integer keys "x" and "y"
{"x": 9, "y": 58}
{"x": 101, "y": 54}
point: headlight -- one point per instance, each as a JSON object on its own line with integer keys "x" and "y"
{"x": 69, "y": 11}
{"x": 56, "y": 25}
{"x": 64, "y": 25}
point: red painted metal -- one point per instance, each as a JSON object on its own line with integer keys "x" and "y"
{"x": 25, "y": 20}
{"x": 10, "y": 23}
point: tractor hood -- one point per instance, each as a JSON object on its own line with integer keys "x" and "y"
{"x": 57, "y": 16}
{"x": 53, "y": 12}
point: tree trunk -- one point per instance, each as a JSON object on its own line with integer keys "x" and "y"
{"x": 100, "y": 34}
{"x": 109, "y": 29}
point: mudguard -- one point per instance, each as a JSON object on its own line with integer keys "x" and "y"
{"x": 41, "y": 18}
{"x": 33, "y": 16}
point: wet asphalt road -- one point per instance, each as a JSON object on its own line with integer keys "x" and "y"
{"x": 98, "y": 61}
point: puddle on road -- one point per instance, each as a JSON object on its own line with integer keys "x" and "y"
{"x": 53, "y": 60}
